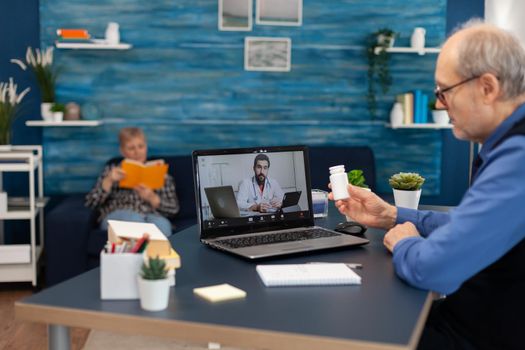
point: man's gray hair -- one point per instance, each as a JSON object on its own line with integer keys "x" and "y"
{"x": 489, "y": 49}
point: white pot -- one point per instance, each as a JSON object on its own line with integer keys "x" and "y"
{"x": 440, "y": 116}
{"x": 58, "y": 116}
{"x": 396, "y": 114}
{"x": 381, "y": 39}
{"x": 154, "y": 294}
{"x": 407, "y": 199}
{"x": 45, "y": 111}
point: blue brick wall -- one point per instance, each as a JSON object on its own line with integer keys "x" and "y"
{"x": 184, "y": 83}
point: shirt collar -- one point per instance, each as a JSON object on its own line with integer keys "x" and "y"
{"x": 506, "y": 125}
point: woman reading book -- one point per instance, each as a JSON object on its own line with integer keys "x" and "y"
{"x": 118, "y": 198}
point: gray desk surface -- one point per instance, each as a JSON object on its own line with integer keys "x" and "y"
{"x": 383, "y": 312}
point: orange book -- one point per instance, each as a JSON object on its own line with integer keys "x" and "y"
{"x": 150, "y": 174}
{"x": 73, "y": 33}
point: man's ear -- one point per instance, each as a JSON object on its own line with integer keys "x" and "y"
{"x": 490, "y": 87}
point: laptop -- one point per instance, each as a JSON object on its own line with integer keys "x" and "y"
{"x": 254, "y": 234}
{"x": 222, "y": 202}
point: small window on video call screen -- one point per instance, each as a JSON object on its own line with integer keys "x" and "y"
{"x": 252, "y": 188}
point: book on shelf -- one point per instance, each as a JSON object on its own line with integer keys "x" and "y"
{"x": 307, "y": 275}
{"x": 73, "y": 34}
{"x": 151, "y": 174}
{"x": 158, "y": 244}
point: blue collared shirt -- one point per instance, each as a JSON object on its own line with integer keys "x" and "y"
{"x": 488, "y": 222}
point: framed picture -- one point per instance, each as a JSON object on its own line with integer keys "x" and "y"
{"x": 235, "y": 15}
{"x": 279, "y": 12}
{"x": 267, "y": 54}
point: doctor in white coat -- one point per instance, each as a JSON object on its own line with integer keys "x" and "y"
{"x": 259, "y": 192}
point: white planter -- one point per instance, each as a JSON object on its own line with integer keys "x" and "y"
{"x": 407, "y": 199}
{"x": 45, "y": 111}
{"x": 440, "y": 116}
{"x": 58, "y": 116}
{"x": 154, "y": 294}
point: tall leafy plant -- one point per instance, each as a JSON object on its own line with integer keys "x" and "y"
{"x": 41, "y": 63}
{"x": 9, "y": 106}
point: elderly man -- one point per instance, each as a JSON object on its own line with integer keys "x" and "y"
{"x": 476, "y": 253}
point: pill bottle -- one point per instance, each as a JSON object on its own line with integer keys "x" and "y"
{"x": 339, "y": 181}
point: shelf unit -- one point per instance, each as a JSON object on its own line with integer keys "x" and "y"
{"x": 422, "y": 51}
{"x": 19, "y": 262}
{"x": 64, "y": 123}
{"x": 96, "y": 45}
{"x": 420, "y": 126}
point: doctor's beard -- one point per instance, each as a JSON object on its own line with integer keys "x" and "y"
{"x": 260, "y": 179}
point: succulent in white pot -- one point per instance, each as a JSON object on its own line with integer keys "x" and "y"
{"x": 154, "y": 285}
{"x": 407, "y": 189}
{"x": 439, "y": 116}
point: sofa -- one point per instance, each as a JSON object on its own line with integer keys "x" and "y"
{"x": 73, "y": 240}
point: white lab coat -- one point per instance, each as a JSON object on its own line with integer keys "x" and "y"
{"x": 250, "y": 192}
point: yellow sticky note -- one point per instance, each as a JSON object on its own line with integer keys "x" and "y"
{"x": 219, "y": 292}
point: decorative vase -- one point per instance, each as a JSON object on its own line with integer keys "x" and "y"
{"x": 407, "y": 199}
{"x": 417, "y": 40}
{"x": 112, "y": 33}
{"x": 396, "y": 114}
{"x": 45, "y": 111}
{"x": 3, "y": 202}
{"x": 58, "y": 116}
{"x": 154, "y": 294}
{"x": 440, "y": 116}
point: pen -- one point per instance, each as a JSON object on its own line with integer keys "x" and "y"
{"x": 350, "y": 265}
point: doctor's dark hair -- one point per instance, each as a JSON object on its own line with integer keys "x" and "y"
{"x": 261, "y": 157}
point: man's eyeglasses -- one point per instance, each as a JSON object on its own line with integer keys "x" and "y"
{"x": 440, "y": 94}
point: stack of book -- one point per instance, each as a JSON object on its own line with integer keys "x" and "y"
{"x": 67, "y": 35}
{"x": 415, "y": 107}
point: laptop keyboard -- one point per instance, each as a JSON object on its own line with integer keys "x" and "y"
{"x": 280, "y": 237}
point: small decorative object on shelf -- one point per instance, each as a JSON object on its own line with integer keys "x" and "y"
{"x": 439, "y": 116}
{"x": 112, "y": 33}
{"x": 154, "y": 285}
{"x": 58, "y": 110}
{"x": 417, "y": 40}
{"x": 378, "y": 70}
{"x": 72, "y": 111}
{"x": 9, "y": 103}
{"x": 407, "y": 189}
{"x": 41, "y": 63}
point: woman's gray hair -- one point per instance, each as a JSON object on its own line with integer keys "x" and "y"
{"x": 489, "y": 49}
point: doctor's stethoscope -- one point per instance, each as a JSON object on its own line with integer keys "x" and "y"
{"x": 255, "y": 192}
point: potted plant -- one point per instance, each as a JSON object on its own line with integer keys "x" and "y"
{"x": 378, "y": 61}
{"x": 58, "y": 110}
{"x": 9, "y": 107}
{"x": 407, "y": 189}
{"x": 154, "y": 285}
{"x": 439, "y": 116}
{"x": 356, "y": 178}
{"x": 41, "y": 63}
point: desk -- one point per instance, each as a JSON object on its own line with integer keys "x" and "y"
{"x": 382, "y": 313}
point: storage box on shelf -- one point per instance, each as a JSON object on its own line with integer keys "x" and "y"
{"x": 19, "y": 262}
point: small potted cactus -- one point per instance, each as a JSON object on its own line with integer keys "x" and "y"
{"x": 407, "y": 189}
{"x": 154, "y": 285}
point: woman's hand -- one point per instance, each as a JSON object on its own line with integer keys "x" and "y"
{"x": 114, "y": 175}
{"x": 148, "y": 195}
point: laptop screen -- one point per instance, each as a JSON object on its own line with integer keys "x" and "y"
{"x": 252, "y": 189}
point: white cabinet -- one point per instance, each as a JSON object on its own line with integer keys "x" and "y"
{"x": 18, "y": 263}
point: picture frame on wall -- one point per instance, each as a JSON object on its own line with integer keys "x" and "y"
{"x": 279, "y": 12}
{"x": 235, "y": 15}
{"x": 268, "y": 54}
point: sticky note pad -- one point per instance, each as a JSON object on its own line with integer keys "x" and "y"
{"x": 219, "y": 292}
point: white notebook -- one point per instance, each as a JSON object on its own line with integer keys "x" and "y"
{"x": 307, "y": 275}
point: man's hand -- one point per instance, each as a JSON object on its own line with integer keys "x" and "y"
{"x": 276, "y": 203}
{"x": 148, "y": 195}
{"x": 263, "y": 207}
{"x": 366, "y": 208}
{"x": 114, "y": 175}
{"x": 399, "y": 232}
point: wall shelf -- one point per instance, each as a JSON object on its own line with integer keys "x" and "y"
{"x": 93, "y": 45}
{"x": 64, "y": 123}
{"x": 421, "y": 126}
{"x": 422, "y": 51}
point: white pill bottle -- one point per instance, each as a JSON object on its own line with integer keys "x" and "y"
{"x": 339, "y": 181}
